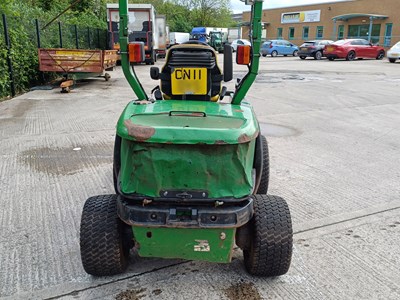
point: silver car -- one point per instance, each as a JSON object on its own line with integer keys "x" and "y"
{"x": 235, "y": 43}
{"x": 394, "y": 53}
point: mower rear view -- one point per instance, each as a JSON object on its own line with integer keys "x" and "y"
{"x": 190, "y": 172}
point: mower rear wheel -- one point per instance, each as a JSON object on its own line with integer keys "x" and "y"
{"x": 269, "y": 252}
{"x": 105, "y": 240}
{"x": 264, "y": 155}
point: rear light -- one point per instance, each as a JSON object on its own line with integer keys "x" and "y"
{"x": 243, "y": 55}
{"x": 136, "y": 52}
{"x": 270, "y": 46}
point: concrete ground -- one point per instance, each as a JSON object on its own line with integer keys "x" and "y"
{"x": 332, "y": 129}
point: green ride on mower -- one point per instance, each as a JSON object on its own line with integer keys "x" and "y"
{"x": 190, "y": 171}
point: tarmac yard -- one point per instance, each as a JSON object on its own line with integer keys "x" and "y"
{"x": 334, "y": 144}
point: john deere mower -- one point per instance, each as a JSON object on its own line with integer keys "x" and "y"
{"x": 191, "y": 167}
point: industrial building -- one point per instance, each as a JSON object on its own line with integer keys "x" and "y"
{"x": 376, "y": 21}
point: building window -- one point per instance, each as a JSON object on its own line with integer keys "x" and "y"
{"x": 320, "y": 32}
{"x": 305, "y": 32}
{"x": 279, "y": 33}
{"x": 291, "y": 33}
{"x": 340, "y": 32}
{"x": 362, "y": 31}
{"x": 388, "y": 35}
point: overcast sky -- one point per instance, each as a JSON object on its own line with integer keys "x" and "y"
{"x": 238, "y": 6}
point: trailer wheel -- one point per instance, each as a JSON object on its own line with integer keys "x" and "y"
{"x": 262, "y": 154}
{"x": 269, "y": 252}
{"x": 104, "y": 239}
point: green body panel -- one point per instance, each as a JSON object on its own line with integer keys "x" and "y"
{"x": 188, "y": 122}
{"x": 187, "y": 145}
{"x": 214, "y": 245}
{"x": 220, "y": 170}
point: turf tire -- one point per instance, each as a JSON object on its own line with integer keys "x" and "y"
{"x": 104, "y": 239}
{"x": 269, "y": 251}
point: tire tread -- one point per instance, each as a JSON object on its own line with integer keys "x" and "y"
{"x": 270, "y": 251}
{"x": 102, "y": 250}
{"x": 263, "y": 187}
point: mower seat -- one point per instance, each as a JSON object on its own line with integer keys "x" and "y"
{"x": 191, "y": 72}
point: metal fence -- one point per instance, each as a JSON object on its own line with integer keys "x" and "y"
{"x": 31, "y": 35}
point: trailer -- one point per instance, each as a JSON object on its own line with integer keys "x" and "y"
{"x": 176, "y": 38}
{"x": 161, "y": 25}
{"x": 76, "y": 64}
{"x": 167, "y": 40}
{"x": 141, "y": 28}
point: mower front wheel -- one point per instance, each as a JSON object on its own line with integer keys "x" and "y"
{"x": 105, "y": 240}
{"x": 269, "y": 251}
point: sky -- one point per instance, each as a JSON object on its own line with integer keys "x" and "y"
{"x": 238, "y": 6}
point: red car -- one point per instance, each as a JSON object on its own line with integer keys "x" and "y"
{"x": 351, "y": 49}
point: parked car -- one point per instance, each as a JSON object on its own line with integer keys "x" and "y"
{"x": 237, "y": 42}
{"x": 313, "y": 49}
{"x": 394, "y": 53}
{"x": 278, "y": 47}
{"x": 351, "y": 49}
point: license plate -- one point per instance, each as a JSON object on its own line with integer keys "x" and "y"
{"x": 304, "y": 49}
{"x": 329, "y": 48}
{"x": 189, "y": 81}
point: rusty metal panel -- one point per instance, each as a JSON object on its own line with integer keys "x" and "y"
{"x": 75, "y": 60}
{"x": 110, "y": 58}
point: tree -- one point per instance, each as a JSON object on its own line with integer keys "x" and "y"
{"x": 183, "y": 15}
